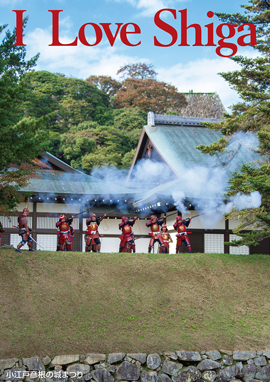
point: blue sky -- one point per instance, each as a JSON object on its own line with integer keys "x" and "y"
{"x": 188, "y": 68}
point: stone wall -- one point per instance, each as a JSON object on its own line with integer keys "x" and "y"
{"x": 179, "y": 366}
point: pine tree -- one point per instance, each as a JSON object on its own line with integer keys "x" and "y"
{"x": 252, "y": 114}
{"x": 20, "y": 140}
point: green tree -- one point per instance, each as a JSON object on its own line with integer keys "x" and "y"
{"x": 65, "y": 101}
{"x": 20, "y": 137}
{"x": 89, "y": 144}
{"x": 252, "y": 114}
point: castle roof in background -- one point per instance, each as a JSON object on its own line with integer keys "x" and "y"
{"x": 172, "y": 140}
{"x": 203, "y": 105}
{"x": 55, "y": 179}
{"x": 59, "y": 183}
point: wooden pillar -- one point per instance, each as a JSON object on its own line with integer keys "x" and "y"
{"x": 34, "y": 224}
{"x": 80, "y": 229}
{"x": 226, "y": 236}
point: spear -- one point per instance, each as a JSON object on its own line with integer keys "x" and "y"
{"x": 165, "y": 217}
{"x": 111, "y": 212}
{"x": 78, "y": 213}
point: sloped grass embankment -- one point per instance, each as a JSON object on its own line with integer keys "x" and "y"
{"x": 70, "y": 302}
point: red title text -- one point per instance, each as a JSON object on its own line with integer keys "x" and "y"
{"x": 130, "y": 33}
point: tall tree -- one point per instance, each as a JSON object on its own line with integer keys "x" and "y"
{"x": 149, "y": 95}
{"x": 20, "y": 138}
{"x": 89, "y": 144}
{"x": 252, "y": 114}
{"x": 140, "y": 71}
{"x": 65, "y": 102}
{"x": 105, "y": 83}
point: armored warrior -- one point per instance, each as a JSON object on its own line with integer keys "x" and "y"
{"x": 182, "y": 236}
{"x": 166, "y": 240}
{"x": 24, "y": 231}
{"x": 155, "y": 232}
{"x": 92, "y": 236}
{"x": 127, "y": 243}
{"x": 64, "y": 233}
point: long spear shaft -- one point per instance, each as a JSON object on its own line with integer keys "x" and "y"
{"x": 111, "y": 212}
{"x": 170, "y": 215}
{"x": 79, "y": 213}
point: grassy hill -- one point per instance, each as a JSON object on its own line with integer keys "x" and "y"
{"x": 72, "y": 302}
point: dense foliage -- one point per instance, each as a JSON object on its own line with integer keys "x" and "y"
{"x": 97, "y": 121}
{"x": 251, "y": 115}
{"x": 89, "y": 144}
{"x": 21, "y": 137}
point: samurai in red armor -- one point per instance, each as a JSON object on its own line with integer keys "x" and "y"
{"x": 155, "y": 232}
{"x": 24, "y": 231}
{"x": 127, "y": 243}
{"x": 166, "y": 240}
{"x": 182, "y": 236}
{"x": 92, "y": 236}
{"x": 64, "y": 233}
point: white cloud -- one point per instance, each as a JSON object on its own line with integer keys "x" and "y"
{"x": 78, "y": 61}
{"x": 201, "y": 75}
{"x": 150, "y": 7}
{"x": 81, "y": 61}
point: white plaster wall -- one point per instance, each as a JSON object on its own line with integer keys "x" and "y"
{"x": 21, "y": 206}
{"x": 233, "y": 223}
{"x": 58, "y": 208}
{"x": 205, "y": 222}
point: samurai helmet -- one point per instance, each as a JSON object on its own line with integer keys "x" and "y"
{"x": 92, "y": 215}
{"x": 153, "y": 217}
{"x": 62, "y": 217}
{"x": 164, "y": 226}
{"x": 124, "y": 218}
{"x": 178, "y": 218}
{"x": 26, "y": 211}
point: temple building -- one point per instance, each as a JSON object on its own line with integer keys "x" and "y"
{"x": 166, "y": 141}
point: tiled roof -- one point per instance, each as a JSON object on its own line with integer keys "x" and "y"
{"x": 176, "y": 141}
{"x": 60, "y": 183}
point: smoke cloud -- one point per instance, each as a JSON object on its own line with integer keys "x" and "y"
{"x": 154, "y": 183}
{"x": 200, "y": 186}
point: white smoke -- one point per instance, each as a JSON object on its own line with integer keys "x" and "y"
{"x": 204, "y": 187}
{"x": 241, "y": 202}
